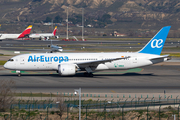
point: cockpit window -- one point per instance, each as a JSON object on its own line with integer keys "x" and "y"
{"x": 11, "y": 60}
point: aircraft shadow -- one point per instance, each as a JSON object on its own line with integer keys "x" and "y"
{"x": 124, "y": 74}
{"x": 81, "y": 75}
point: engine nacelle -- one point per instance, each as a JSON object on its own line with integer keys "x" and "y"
{"x": 67, "y": 69}
{"x": 46, "y": 38}
{"x": 41, "y": 38}
{"x": 57, "y": 37}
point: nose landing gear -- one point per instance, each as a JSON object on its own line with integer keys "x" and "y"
{"x": 19, "y": 73}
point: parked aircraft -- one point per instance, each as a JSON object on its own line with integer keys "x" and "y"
{"x": 67, "y": 64}
{"x": 25, "y": 33}
{"x": 55, "y": 48}
{"x": 43, "y": 36}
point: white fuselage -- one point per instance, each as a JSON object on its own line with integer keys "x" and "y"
{"x": 41, "y": 35}
{"x": 50, "y": 61}
{"x": 55, "y": 48}
{"x": 9, "y": 36}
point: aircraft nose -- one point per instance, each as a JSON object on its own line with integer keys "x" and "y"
{"x": 6, "y": 65}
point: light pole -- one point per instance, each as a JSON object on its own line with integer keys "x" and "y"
{"x": 67, "y": 24}
{"x": 52, "y": 25}
{"x": 174, "y": 116}
{"x": 82, "y": 24}
{"x": 176, "y": 98}
{"x": 79, "y": 91}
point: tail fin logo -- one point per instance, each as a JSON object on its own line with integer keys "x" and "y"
{"x": 156, "y": 43}
{"x": 54, "y": 32}
{"x": 26, "y": 32}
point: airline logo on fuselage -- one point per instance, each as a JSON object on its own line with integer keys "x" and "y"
{"x": 43, "y": 58}
{"x": 156, "y": 43}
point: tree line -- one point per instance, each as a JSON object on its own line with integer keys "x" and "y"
{"x": 77, "y": 19}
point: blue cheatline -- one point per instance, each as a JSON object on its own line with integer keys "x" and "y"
{"x": 155, "y": 45}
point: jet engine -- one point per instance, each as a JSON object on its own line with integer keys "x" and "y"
{"x": 41, "y": 38}
{"x": 46, "y": 38}
{"x": 67, "y": 69}
{"x": 57, "y": 37}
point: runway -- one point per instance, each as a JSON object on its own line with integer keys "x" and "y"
{"x": 151, "y": 79}
{"x": 33, "y": 45}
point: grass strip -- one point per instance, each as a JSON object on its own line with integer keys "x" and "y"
{"x": 34, "y": 95}
{"x": 2, "y": 62}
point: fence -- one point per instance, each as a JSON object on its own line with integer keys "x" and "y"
{"x": 101, "y": 106}
{"x": 102, "y": 109}
{"x": 40, "y": 96}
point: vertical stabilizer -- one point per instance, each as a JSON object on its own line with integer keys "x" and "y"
{"x": 155, "y": 45}
{"x": 26, "y": 32}
{"x": 54, "y": 32}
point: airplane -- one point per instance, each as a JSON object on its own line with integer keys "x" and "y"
{"x": 25, "y": 33}
{"x": 68, "y": 64}
{"x": 55, "y": 48}
{"x": 44, "y": 36}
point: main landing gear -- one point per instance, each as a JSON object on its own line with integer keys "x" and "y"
{"x": 88, "y": 74}
{"x": 19, "y": 74}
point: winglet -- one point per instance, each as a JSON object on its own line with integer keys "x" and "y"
{"x": 54, "y": 32}
{"x": 26, "y": 32}
{"x": 155, "y": 45}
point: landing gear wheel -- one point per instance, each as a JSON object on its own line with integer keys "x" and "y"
{"x": 88, "y": 74}
{"x": 85, "y": 74}
{"x": 91, "y": 75}
{"x": 19, "y": 74}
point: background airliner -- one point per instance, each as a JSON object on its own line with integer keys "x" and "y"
{"x": 44, "y": 36}
{"x": 25, "y": 33}
{"x": 70, "y": 63}
{"x": 55, "y": 48}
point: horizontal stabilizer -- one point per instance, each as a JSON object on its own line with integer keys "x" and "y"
{"x": 163, "y": 56}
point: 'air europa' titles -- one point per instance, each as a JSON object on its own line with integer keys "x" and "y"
{"x": 43, "y": 58}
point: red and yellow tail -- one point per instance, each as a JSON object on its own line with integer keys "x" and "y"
{"x": 54, "y": 32}
{"x": 25, "y": 32}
